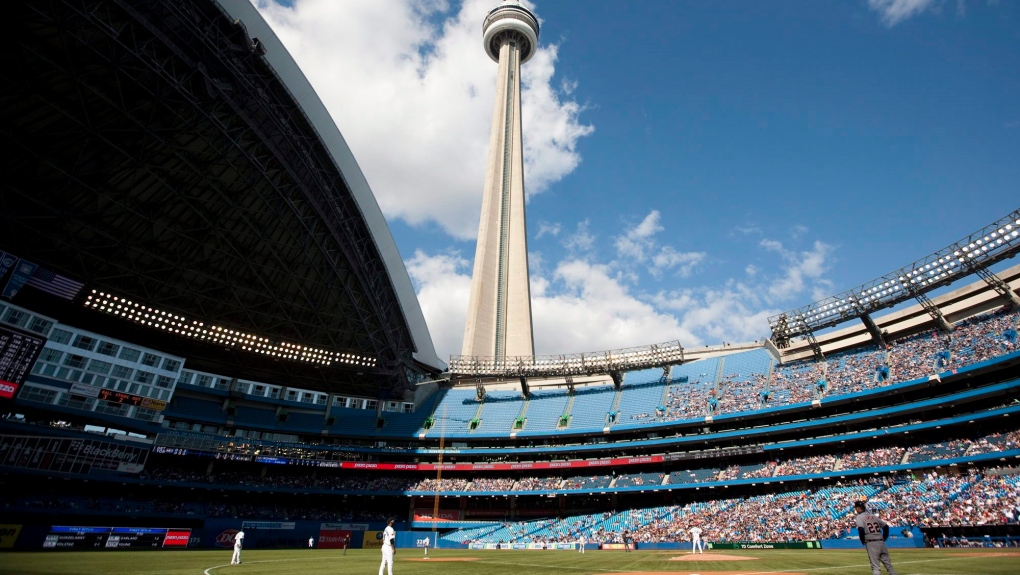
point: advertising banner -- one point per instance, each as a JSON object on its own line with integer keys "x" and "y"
{"x": 85, "y": 390}
{"x": 343, "y": 526}
{"x": 69, "y": 455}
{"x": 767, "y": 545}
{"x": 334, "y": 539}
{"x": 373, "y": 540}
{"x": 226, "y": 538}
{"x": 525, "y": 546}
{"x": 177, "y": 538}
{"x": 8, "y": 389}
{"x": 8, "y": 535}
{"x": 267, "y": 525}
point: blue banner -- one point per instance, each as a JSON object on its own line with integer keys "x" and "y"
{"x": 23, "y": 270}
{"x": 6, "y": 261}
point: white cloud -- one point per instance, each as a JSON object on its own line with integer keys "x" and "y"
{"x": 581, "y": 240}
{"x": 648, "y": 226}
{"x": 734, "y": 313}
{"x": 593, "y": 311}
{"x": 802, "y": 270}
{"x": 414, "y": 101}
{"x": 581, "y": 307}
{"x": 893, "y": 12}
{"x": 638, "y": 245}
{"x": 552, "y": 229}
{"x": 443, "y": 283}
{"x": 581, "y": 304}
{"x": 669, "y": 258}
{"x": 636, "y": 241}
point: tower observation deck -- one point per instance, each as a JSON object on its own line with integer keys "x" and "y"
{"x": 499, "y": 309}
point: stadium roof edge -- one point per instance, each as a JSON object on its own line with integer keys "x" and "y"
{"x": 301, "y": 89}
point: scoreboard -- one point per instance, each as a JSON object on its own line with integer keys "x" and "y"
{"x": 18, "y": 352}
{"x": 79, "y": 537}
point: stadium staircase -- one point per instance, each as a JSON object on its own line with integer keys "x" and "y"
{"x": 615, "y": 408}
{"x": 663, "y": 401}
{"x": 477, "y": 417}
{"x": 567, "y": 412}
{"x": 522, "y": 416}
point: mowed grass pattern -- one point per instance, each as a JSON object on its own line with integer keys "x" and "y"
{"x": 408, "y": 562}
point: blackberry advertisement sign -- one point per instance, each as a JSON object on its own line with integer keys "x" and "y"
{"x": 70, "y": 455}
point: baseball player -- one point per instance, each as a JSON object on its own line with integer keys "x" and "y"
{"x": 235, "y": 559}
{"x": 389, "y": 537}
{"x": 311, "y": 542}
{"x": 426, "y": 542}
{"x": 873, "y": 533}
{"x": 580, "y": 542}
{"x": 697, "y": 545}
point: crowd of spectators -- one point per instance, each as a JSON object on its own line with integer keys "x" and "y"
{"x": 538, "y": 483}
{"x": 305, "y": 479}
{"x": 503, "y": 484}
{"x": 978, "y": 498}
{"x": 743, "y": 393}
{"x": 639, "y": 479}
{"x": 877, "y": 457}
{"x": 913, "y": 357}
{"x": 806, "y": 465}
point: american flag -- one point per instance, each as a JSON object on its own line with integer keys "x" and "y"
{"x": 52, "y": 283}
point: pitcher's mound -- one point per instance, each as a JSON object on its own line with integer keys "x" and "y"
{"x": 712, "y": 557}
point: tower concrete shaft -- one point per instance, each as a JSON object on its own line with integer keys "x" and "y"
{"x": 499, "y": 309}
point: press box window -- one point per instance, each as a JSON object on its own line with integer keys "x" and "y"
{"x": 60, "y": 336}
{"x": 84, "y": 342}
{"x": 75, "y": 361}
{"x": 107, "y": 348}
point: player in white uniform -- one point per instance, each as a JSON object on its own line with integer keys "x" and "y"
{"x": 311, "y": 542}
{"x": 697, "y": 545}
{"x": 873, "y": 532}
{"x": 426, "y": 546}
{"x": 235, "y": 559}
{"x": 580, "y": 542}
{"x": 389, "y": 537}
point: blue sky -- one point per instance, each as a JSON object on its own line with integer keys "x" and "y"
{"x": 693, "y": 167}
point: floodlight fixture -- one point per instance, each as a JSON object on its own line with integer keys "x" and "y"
{"x": 181, "y": 325}
{"x": 603, "y": 362}
{"x": 974, "y": 254}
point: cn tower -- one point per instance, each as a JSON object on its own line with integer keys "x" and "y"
{"x": 499, "y": 309}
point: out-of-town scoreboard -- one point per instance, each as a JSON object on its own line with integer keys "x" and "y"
{"x": 80, "y": 537}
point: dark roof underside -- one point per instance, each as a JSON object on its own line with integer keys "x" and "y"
{"x": 151, "y": 153}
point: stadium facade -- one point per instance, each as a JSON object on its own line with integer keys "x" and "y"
{"x": 201, "y": 300}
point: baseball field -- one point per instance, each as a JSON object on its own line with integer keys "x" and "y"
{"x": 458, "y": 562}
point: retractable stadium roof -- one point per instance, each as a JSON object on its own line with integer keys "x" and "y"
{"x": 173, "y": 155}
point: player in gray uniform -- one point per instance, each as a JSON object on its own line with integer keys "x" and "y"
{"x": 873, "y": 533}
